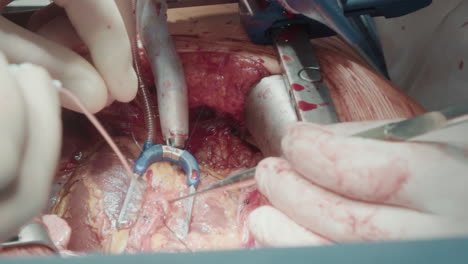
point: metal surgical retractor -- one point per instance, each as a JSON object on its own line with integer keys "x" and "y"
{"x": 173, "y": 108}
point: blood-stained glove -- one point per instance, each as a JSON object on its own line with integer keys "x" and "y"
{"x": 29, "y": 141}
{"x": 49, "y": 42}
{"x": 331, "y": 188}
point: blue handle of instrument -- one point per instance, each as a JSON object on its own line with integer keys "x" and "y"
{"x": 385, "y": 8}
{"x": 272, "y": 15}
{"x": 156, "y": 153}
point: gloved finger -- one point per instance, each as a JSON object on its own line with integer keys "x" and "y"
{"x": 272, "y": 228}
{"x": 13, "y": 120}
{"x": 127, "y": 11}
{"x": 105, "y": 35}
{"x": 42, "y": 150}
{"x": 59, "y": 29}
{"x": 406, "y": 174}
{"x": 340, "y": 219}
{"x": 76, "y": 74}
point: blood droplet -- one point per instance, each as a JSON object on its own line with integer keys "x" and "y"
{"x": 194, "y": 175}
{"x": 461, "y": 65}
{"x": 167, "y": 84}
{"x": 264, "y": 94}
{"x": 323, "y": 104}
{"x": 305, "y": 106}
{"x": 287, "y": 58}
{"x": 297, "y": 87}
{"x": 317, "y": 81}
{"x": 158, "y": 8}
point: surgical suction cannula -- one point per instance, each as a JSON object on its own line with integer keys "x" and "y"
{"x": 167, "y": 70}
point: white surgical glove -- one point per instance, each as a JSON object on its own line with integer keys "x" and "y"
{"x": 100, "y": 25}
{"x": 29, "y": 141}
{"x": 330, "y": 188}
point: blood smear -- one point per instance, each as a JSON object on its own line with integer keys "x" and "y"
{"x": 286, "y": 58}
{"x": 305, "y": 106}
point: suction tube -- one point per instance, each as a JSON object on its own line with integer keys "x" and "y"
{"x": 142, "y": 86}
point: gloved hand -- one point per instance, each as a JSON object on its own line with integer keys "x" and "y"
{"x": 29, "y": 141}
{"x": 100, "y": 25}
{"x": 330, "y": 188}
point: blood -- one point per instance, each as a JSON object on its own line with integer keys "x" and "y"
{"x": 305, "y": 106}
{"x": 264, "y": 94}
{"x": 214, "y": 144}
{"x": 323, "y": 104}
{"x": 194, "y": 175}
{"x": 82, "y": 50}
{"x": 465, "y": 24}
{"x": 167, "y": 84}
{"x": 109, "y": 26}
{"x": 286, "y": 58}
{"x": 461, "y": 65}
{"x": 297, "y": 87}
{"x": 220, "y": 80}
{"x": 403, "y": 28}
{"x": 287, "y": 35}
{"x": 352, "y": 222}
{"x": 256, "y": 199}
{"x": 280, "y": 168}
{"x": 288, "y": 14}
{"x": 149, "y": 175}
{"x": 68, "y": 166}
{"x": 158, "y": 8}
